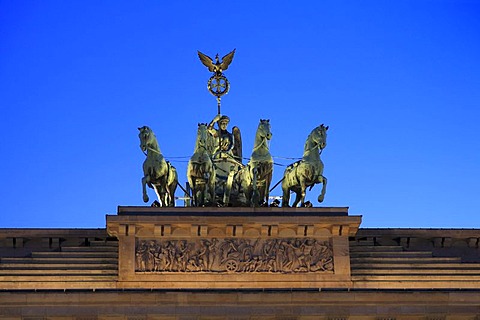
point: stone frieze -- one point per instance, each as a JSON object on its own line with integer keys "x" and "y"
{"x": 234, "y": 255}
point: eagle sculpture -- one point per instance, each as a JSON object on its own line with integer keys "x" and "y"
{"x": 217, "y": 66}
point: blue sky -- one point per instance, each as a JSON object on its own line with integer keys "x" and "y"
{"x": 397, "y": 82}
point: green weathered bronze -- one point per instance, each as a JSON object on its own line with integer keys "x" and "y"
{"x": 227, "y": 144}
{"x": 218, "y": 84}
{"x": 253, "y": 180}
{"x": 308, "y": 171}
{"x": 225, "y": 150}
{"x": 158, "y": 174}
{"x": 215, "y": 172}
{"x": 200, "y": 171}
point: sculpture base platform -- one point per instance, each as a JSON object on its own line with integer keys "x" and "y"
{"x": 231, "y": 248}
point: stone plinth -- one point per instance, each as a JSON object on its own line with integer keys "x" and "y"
{"x": 227, "y": 248}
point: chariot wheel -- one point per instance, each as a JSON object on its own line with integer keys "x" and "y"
{"x": 231, "y": 265}
{"x": 218, "y": 85}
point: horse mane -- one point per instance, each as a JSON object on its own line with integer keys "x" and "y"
{"x": 307, "y": 146}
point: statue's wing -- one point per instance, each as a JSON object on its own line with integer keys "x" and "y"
{"x": 237, "y": 144}
{"x": 207, "y": 61}
{"x": 227, "y": 60}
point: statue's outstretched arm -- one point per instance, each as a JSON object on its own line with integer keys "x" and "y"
{"x": 217, "y": 117}
{"x": 210, "y": 127}
{"x": 211, "y": 124}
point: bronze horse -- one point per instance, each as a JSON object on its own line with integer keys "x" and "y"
{"x": 200, "y": 172}
{"x": 253, "y": 180}
{"x": 308, "y": 171}
{"x": 158, "y": 173}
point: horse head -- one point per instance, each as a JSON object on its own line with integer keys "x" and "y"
{"x": 264, "y": 129}
{"x": 322, "y": 131}
{"x": 147, "y": 138}
{"x": 319, "y": 136}
{"x": 201, "y": 135}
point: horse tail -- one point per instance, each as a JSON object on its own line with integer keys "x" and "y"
{"x": 171, "y": 184}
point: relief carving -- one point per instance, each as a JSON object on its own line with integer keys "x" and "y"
{"x": 290, "y": 255}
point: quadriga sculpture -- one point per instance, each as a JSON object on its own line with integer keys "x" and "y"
{"x": 200, "y": 171}
{"x": 254, "y": 179}
{"x": 308, "y": 171}
{"x": 158, "y": 174}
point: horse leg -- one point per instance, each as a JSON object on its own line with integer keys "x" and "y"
{"x": 161, "y": 189}
{"x": 266, "y": 193}
{"x": 211, "y": 186}
{"x": 249, "y": 195}
{"x": 160, "y": 194}
{"x": 301, "y": 192}
{"x": 191, "y": 183}
{"x": 298, "y": 197}
{"x": 324, "y": 189}
{"x": 228, "y": 188}
{"x": 193, "y": 186}
{"x": 165, "y": 197}
{"x": 255, "y": 197}
{"x": 304, "y": 193}
{"x": 171, "y": 185}
{"x": 201, "y": 195}
{"x": 195, "y": 193}
{"x": 145, "y": 180}
{"x": 171, "y": 193}
{"x": 286, "y": 193}
{"x": 261, "y": 194}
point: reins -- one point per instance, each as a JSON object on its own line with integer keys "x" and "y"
{"x": 153, "y": 150}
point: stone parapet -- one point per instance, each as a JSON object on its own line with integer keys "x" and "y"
{"x": 228, "y": 248}
{"x": 266, "y": 248}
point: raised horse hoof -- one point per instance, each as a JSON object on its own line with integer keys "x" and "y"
{"x": 145, "y": 199}
{"x": 320, "y": 199}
